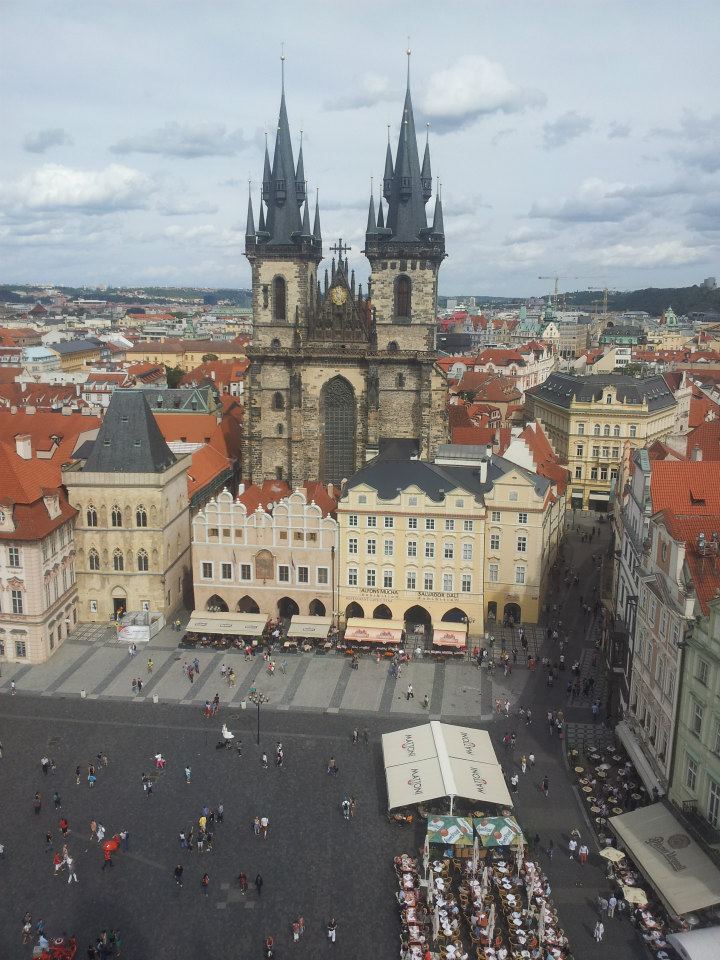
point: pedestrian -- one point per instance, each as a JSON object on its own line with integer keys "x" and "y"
{"x": 550, "y": 850}
{"x": 332, "y": 929}
{"x": 264, "y": 824}
{"x": 77, "y": 775}
{"x": 64, "y": 826}
{"x": 139, "y": 685}
{"x": 355, "y": 735}
{"x": 599, "y": 931}
{"x": 243, "y": 882}
{"x": 264, "y": 761}
{"x": 523, "y": 763}
{"x": 93, "y": 829}
{"x": 196, "y": 665}
{"x": 12, "y": 688}
{"x": 125, "y": 840}
{"x": 48, "y": 842}
{"x": 45, "y": 764}
{"x": 295, "y": 926}
{"x": 536, "y": 841}
{"x": 178, "y": 871}
{"x": 220, "y": 815}
{"x": 531, "y": 759}
{"x": 366, "y": 736}
{"x": 426, "y": 701}
{"x": 37, "y": 803}
{"x": 583, "y": 853}
{"x": 572, "y": 847}
{"x": 107, "y": 857}
{"x": 279, "y": 758}
{"x": 256, "y": 826}
{"x": 332, "y": 766}
{"x": 70, "y": 863}
{"x": 353, "y": 807}
{"x": 188, "y": 773}
{"x": 91, "y": 778}
{"x": 514, "y": 781}
{"x": 259, "y": 884}
{"x": 182, "y": 840}
{"x": 409, "y": 695}
{"x": 26, "y": 932}
{"x": 150, "y": 665}
{"x": 612, "y": 904}
{"x": 545, "y": 786}
{"x": 204, "y": 884}
{"x": 100, "y": 833}
{"x": 602, "y": 905}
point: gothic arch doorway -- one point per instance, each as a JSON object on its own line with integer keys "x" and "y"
{"x": 216, "y": 604}
{"x": 287, "y": 607}
{"x": 246, "y": 604}
{"x": 455, "y": 615}
{"x": 338, "y": 422}
{"x": 316, "y": 608}
{"x": 354, "y": 610}
{"x": 383, "y": 612}
{"x": 417, "y": 622}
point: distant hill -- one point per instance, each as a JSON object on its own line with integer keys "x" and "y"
{"x": 683, "y": 300}
{"x": 17, "y": 293}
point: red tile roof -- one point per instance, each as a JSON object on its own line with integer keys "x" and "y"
{"x": 481, "y": 436}
{"x": 490, "y": 387}
{"x": 706, "y": 438}
{"x": 187, "y": 427}
{"x": 206, "y": 464}
{"x": 23, "y": 483}
{"x": 317, "y": 492}
{"x": 42, "y": 427}
{"x": 271, "y": 491}
{"x": 700, "y": 406}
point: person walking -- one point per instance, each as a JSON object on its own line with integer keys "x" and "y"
{"x": 332, "y": 766}
{"x": 178, "y": 872}
{"x": 243, "y": 882}
{"x": 572, "y": 847}
{"x": 107, "y": 857}
{"x": 256, "y": 826}
{"x": 264, "y": 824}
{"x": 37, "y": 804}
{"x": 125, "y": 840}
{"x": 531, "y": 759}
{"x": 204, "y": 884}
{"x": 514, "y": 781}
{"x": 188, "y": 774}
{"x": 355, "y": 736}
{"x": 259, "y": 884}
{"x": 409, "y": 695}
{"x": 545, "y": 786}
{"x": 612, "y": 904}
{"x": 70, "y": 864}
{"x": 583, "y": 854}
{"x": 264, "y": 761}
{"x": 599, "y": 931}
{"x": 550, "y": 850}
{"x": 523, "y": 763}
{"x": 100, "y": 835}
{"x": 332, "y": 929}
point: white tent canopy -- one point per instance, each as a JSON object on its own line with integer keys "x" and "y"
{"x": 697, "y": 944}
{"x": 309, "y": 627}
{"x": 684, "y": 878}
{"x": 442, "y": 760}
{"x": 228, "y": 624}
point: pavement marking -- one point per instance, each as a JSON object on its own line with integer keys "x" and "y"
{"x": 16, "y": 676}
{"x": 295, "y": 681}
{"x": 388, "y": 693}
{"x": 244, "y": 688}
{"x": 205, "y": 676}
{"x": 66, "y": 674}
{"x": 340, "y": 687}
{"x": 438, "y": 686}
{"x": 109, "y": 677}
{"x": 158, "y": 674}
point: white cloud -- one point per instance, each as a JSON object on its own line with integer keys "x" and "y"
{"x": 569, "y": 126}
{"x": 473, "y": 87}
{"x": 180, "y": 207}
{"x": 663, "y": 253}
{"x": 189, "y": 141}
{"x": 599, "y": 201}
{"x": 372, "y": 89}
{"x": 618, "y": 131}
{"x": 39, "y": 141}
{"x": 56, "y": 187}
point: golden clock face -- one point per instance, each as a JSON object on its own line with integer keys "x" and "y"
{"x": 338, "y": 296}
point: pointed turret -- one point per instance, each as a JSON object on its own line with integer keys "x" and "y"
{"x": 371, "y": 225}
{"x": 316, "y": 226}
{"x": 267, "y": 175}
{"x": 306, "y": 232}
{"x": 389, "y": 171}
{"x": 300, "y": 174}
{"x": 250, "y": 226}
{"x": 380, "y": 216}
{"x": 438, "y": 227}
{"x": 262, "y": 229}
{"x": 426, "y": 175}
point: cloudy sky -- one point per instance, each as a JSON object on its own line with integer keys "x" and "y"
{"x": 578, "y": 137}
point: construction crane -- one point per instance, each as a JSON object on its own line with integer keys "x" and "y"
{"x": 557, "y": 277}
{"x": 604, "y": 291}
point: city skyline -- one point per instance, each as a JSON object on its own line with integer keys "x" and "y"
{"x": 571, "y": 146}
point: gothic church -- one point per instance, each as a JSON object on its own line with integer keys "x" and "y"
{"x": 336, "y": 373}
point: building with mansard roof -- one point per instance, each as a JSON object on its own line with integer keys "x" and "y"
{"x": 335, "y": 370}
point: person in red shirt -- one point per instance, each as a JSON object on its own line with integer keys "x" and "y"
{"x": 107, "y": 857}
{"x": 57, "y": 863}
{"x": 64, "y": 826}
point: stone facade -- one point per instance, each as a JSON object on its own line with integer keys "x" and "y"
{"x": 154, "y": 528}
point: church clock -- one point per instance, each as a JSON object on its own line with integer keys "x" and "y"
{"x": 338, "y": 296}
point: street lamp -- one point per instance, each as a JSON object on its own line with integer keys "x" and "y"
{"x": 258, "y": 699}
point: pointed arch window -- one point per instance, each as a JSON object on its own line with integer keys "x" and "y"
{"x": 339, "y": 418}
{"x": 116, "y": 516}
{"x": 94, "y": 560}
{"x": 278, "y": 401}
{"x": 91, "y": 516}
{"x": 403, "y": 288}
{"x": 400, "y": 380}
{"x": 143, "y": 563}
{"x": 141, "y": 517}
{"x": 279, "y": 299}
{"x": 118, "y": 560}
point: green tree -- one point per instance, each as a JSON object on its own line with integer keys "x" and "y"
{"x": 207, "y": 357}
{"x": 173, "y": 375}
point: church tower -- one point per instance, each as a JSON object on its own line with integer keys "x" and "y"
{"x": 334, "y": 372}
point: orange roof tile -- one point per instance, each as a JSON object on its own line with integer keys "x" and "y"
{"x": 187, "y": 427}
{"x": 271, "y": 491}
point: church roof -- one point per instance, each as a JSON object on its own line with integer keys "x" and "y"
{"x": 129, "y": 440}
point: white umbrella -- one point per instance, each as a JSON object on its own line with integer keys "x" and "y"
{"x": 475, "y": 856}
{"x": 541, "y": 925}
{"x": 431, "y": 892}
{"x": 530, "y": 881}
{"x": 519, "y": 856}
{"x": 612, "y": 854}
{"x": 491, "y": 923}
{"x": 426, "y": 855}
{"x": 436, "y": 922}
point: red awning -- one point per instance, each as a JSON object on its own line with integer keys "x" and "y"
{"x": 447, "y": 637}
{"x": 373, "y": 631}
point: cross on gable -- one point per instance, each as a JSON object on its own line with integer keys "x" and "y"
{"x": 340, "y": 249}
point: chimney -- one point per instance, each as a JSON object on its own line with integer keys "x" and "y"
{"x": 331, "y": 490}
{"x": 241, "y": 489}
{"x": 483, "y": 469}
{"x": 696, "y": 454}
{"x": 23, "y": 446}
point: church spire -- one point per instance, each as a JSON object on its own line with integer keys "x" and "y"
{"x": 306, "y": 232}
{"x": 380, "y": 216}
{"x": 438, "y": 227}
{"x": 250, "y": 226}
{"x": 371, "y": 225}
{"x": 426, "y": 175}
{"x": 316, "y": 226}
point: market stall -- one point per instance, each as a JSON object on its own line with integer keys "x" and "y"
{"x": 453, "y": 835}
{"x": 228, "y": 624}
{"x": 306, "y": 631}
{"x": 498, "y": 831}
{"x": 442, "y": 760}
{"x": 450, "y": 639}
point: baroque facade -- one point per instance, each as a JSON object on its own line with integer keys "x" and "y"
{"x": 334, "y": 371}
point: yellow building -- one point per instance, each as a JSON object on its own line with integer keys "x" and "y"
{"x": 185, "y": 354}
{"x": 589, "y": 420}
{"x": 132, "y": 533}
{"x": 76, "y": 354}
{"x": 465, "y": 539}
